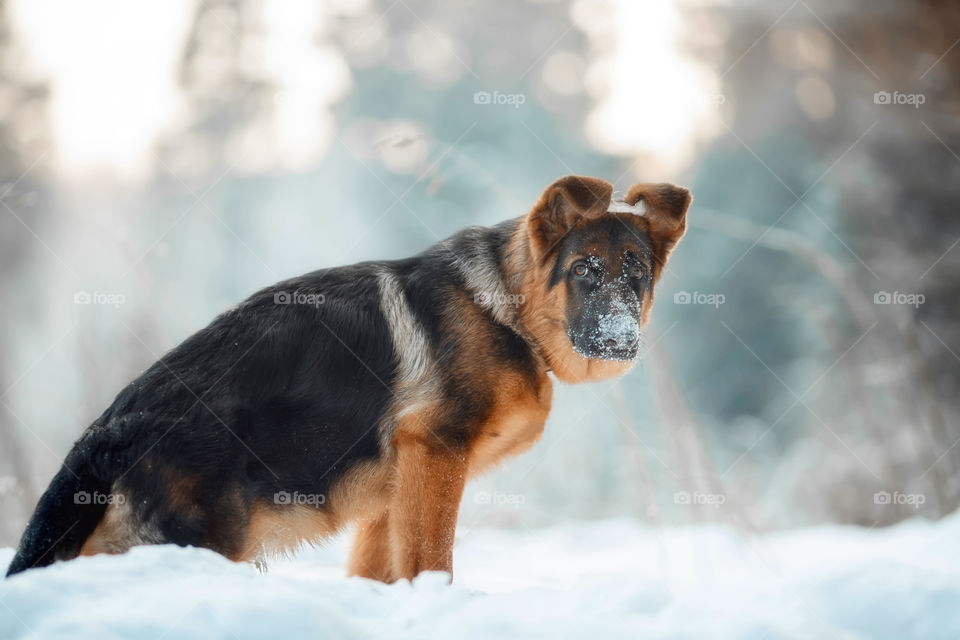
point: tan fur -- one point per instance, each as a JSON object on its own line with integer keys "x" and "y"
{"x": 423, "y": 510}
{"x": 274, "y": 530}
{"x": 560, "y": 206}
{"x": 666, "y": 218}
{"x": 416, "y": 531}
{"x": 543, "y": 316}
{"x": 371, "y": 556}
{"x": 515, "y": 424}
{"x": 119, "y": 530}
{"x": 281, "y": 529}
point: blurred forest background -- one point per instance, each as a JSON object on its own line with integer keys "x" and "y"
{"x": 161, "y": 161}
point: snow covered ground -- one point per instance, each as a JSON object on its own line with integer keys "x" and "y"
{"x": 612, "y": 579}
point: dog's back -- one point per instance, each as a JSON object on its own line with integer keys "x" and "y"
{"x": 276, "y": 397}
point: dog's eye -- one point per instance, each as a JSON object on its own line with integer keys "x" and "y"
{"x": 581, "y": 269}
{"x": 636, "y": 272}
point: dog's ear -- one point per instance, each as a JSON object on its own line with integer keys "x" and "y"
{"x": 561, "y": 206}
{"x": 666, "y": 210}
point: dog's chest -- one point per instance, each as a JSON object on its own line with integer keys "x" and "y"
{"x": 513, "y": 426}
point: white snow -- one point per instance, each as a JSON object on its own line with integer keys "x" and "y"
{"x": 610, "y": 579}
{"x": 619, "y": 206}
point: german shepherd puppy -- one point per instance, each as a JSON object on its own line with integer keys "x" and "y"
{"x": 368, "y": 393}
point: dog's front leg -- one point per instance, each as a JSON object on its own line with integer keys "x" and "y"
{"x": 371, "y": 556}
{"x": 423, "y": 512}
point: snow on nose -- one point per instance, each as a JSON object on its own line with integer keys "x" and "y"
{"x": 619, "y": 331}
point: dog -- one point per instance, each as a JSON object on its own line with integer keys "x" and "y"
{"x": 366, "y": 394}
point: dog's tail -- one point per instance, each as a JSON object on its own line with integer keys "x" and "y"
{"x": 66, "y": 515}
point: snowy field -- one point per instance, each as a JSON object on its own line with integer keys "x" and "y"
{"x": 613, "y": 579}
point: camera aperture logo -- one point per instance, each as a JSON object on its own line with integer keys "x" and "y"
{"x": 899, "y": 297}
{"x": 697, "y": 297}
{"x": 497, "y": 98}
{"x": 299, "y": 297}
{"x": 293, "y": 498}
{"x": 911, "y": 99}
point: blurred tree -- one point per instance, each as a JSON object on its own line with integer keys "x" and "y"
{"x": 856, "y": 194}
{"x": 24, "y": 144}
{"x": 223, "y": 93}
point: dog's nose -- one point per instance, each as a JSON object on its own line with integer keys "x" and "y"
{"x": 622, "y": 342}
{"x": 619, "y": 333}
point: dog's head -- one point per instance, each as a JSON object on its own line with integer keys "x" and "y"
{"x": 594, "y": 265}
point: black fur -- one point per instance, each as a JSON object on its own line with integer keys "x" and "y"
{"x": 272, "y": 396}
{"x": 610, "y": 250}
